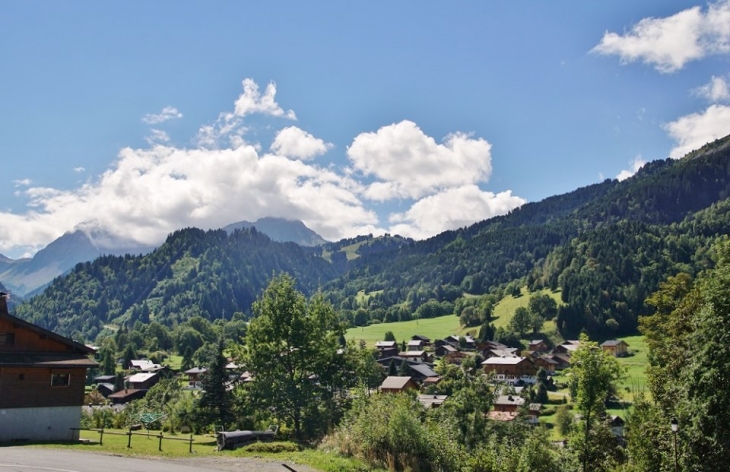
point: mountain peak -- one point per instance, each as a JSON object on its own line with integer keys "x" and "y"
{"x": 281, "y": 230}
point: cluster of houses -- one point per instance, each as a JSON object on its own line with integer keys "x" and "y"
{"x": 144, "y": 374}
{"x": 43, "y": 375}
{"x": 504, "y": 365}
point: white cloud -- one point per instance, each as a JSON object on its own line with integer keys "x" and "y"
{"x": 410, "y": 164}
{"x": 452, "y": 209}
{"x": 694, "y": 131}
{"x": 670, "y": 43}
{"x": 296, "y": 143}
{"x": 228, "y": 129}
{"x": 167, "y": 113}
{"x": 636, "y": 164}
{"x": 147, "y": 193}
{"x": 151, "y": 192}
{"x": 22, "y": 182}
{"x": 715, "y": 91}
{"x": 251, "y": 101}
{"x": 79, "y": 169}
{"x": 157, "y": 137}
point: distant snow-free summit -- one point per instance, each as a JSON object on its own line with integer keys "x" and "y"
{"x": 281, "y": 230}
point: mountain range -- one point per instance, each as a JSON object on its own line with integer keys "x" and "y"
{"x": 27, "y": 276}
{"x": 604, "y": 248}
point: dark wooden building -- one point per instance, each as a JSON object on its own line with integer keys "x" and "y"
{"x": 42, "y": 378}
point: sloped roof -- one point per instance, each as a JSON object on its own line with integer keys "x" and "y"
{"x": 139, "y": 378}
{"x": 509, "y": 400}
{"x": 196, "y": 370}
{"x": 395, "y": 382}
{"x": 503, "y": 360}
{"x": 432, "y": 400}
{"x": 45, "y": 359}
{"x": 613, "y": 343}
{"x": 424, "y": 370}
{"x": 70, "y": 343}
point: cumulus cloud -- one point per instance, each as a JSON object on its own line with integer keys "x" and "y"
{"x": 150, "y": 192}
{"x": 697, "y": 129}
{"x": 167, "y": 113}
{"x": 670, "y": 43}
{"x": 715, "y": 91}
{"x": 636, "y": 164}
{"x": 451, "y": 209}
{"x": 407, "y": 163}
{"x": 146, "y": 193}
{"x": 294, "y": 142}
{"x": 251, "y": 101}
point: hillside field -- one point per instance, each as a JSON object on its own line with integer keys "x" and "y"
{"x": 436, "y": 328}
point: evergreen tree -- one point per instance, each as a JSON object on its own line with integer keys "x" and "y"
{"x": 216, "y": 400}
{"x": 108, "y": 365}
{"x": 128, "y": 356}
{"x": 187, "y": 360}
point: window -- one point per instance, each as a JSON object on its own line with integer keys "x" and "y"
{"x": 7, "y": 338}
{"x": 60, "y": 380}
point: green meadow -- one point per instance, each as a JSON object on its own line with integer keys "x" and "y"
{"x": 442, "y": 326}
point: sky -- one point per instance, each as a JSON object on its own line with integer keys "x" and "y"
{"x": 411, "y": 118}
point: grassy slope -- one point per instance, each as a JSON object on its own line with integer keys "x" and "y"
{"x": 436, "y": 328}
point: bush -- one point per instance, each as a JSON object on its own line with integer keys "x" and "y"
{"x": 272, "y": 447}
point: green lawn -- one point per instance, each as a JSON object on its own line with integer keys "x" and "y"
{"x": 434, "y": 328}
{"x": 504, "y": 309}
{"x": 635, "y": 365}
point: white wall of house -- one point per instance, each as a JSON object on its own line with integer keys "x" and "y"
{"x": 40, "y": 424}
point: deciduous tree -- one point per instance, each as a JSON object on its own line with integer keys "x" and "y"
{"x": 290, "y": 344}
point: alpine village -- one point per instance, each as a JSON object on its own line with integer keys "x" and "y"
{"x": 589, "y": 331}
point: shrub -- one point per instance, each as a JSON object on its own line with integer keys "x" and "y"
{"x": 272, "y": 447}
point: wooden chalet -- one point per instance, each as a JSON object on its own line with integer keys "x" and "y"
{"x": 42, "y": 378}
{"x": 194, "y": 376}
{"x": 538, "y": 345}
{"x": 394, "y": 384}
{"x": 444, "y": 349}
{"x": 616, "y": 347}
{"x": 511, "y": 369}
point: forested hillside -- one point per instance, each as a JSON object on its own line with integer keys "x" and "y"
{"x": 194, "y": 273}
{"x": 606, "y": 247}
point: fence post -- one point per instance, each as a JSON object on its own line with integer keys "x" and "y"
{"x": 129, "y": 441}
{"x": 101, "y": 436}
{"x": 191, "y": 443}
{"x": 160, "y": 446}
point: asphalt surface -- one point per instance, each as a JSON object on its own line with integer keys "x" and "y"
{"x": 32, "y": 459}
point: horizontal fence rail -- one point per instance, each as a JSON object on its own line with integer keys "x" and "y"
{"x": 136, "y": 432}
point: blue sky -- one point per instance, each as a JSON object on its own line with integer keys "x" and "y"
{"x": 404, "y": 117}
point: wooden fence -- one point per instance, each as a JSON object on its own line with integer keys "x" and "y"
{"x": 136, "y": 432}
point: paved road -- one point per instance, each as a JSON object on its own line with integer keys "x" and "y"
{"x": 32, "y": 459}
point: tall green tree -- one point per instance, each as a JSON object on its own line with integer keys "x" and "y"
{"x": 216, "y": 399}
{"x": 593, "y": 376}
{"x": 707, "y": 377}
{"x": 520, "y": 322}
{"x": 290, "y": 345}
